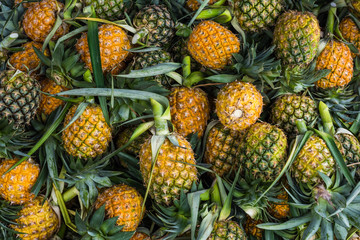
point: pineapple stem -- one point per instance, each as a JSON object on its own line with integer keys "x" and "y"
{"x": 70, "y": 194}
{"x": 326, "y": 118}
{"x": 215, "y": 194}
{"x": 7, "y": 41}
{"x": 331, "y": 19}
{"x": 186, "y": 68}
{"x": 161, "y": 125}
{"x": 301, "y": 126}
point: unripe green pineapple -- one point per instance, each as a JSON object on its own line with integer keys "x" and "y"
{"x": 134, "y": 148}
{"x": 109, "y": 9}
{"x": 257, "y": 15}
{"x": 263, "y": 152}
{"x": 289, "y": 108}
{"x": 227, "y": 230}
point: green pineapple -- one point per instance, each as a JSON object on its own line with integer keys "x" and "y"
{"x": 109, "y": 9}
{"x": 227, "y": 230}
{"x": 134, "y": 148}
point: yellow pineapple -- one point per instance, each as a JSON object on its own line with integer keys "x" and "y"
{"x": 47, "y": 103}
{"x": 350, "y": 32}
{"x": 194, "y": 5}
{"x": 15, "y": 186}
{"x": 251, "y": 229}
{"x": 280, "y": 210}
{"x": 37, "y": 220}
{"x": 113, "y": 42}
{"x": 89, "y": 135}
{"x": 212, "y": 45}
{"x": 140, "y": 236}
{"x": 124, "y": 202}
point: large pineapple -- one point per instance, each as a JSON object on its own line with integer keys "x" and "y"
{"x": 257, "y": 15}
{"x": 296, "y": 37}
{"x": 238, "y": 105}
{"x": 48, "y": 103}
{"x": 89, "y": 135}
{"x": 114, "y": 44}
{"x": 287, "y": 109}
{"x": 157, "y": 22}
{"x": 19, "y": 97}
{"x": 194, "y": 5}
{"x": 212, "y": 45}
{"x": 109, "y": 9}
{"x": 27, "y": 59}
{"x": 16, "y": 185}
{"x": 336, "y": 56}
{"x": 222, "y": 149}
{"x": 227, "y": 230}
{"x": 124, "y": 202}
{"x": 189, "y": 108}
{"x": 351, "y": 147}
{"x": 350, "y": 32}
{"x": 263, "y": 152}
{"x": 37, "y": 220}
{"x": 39, "y": 19}
{"x": 174, "y": 169}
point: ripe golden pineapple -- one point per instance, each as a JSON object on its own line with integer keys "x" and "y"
{"x": 172, "y": 171}
{"x": 47, "y": 103}
{"x": 280, "y": 210}
{"x": 140, "y": 236}
{"x": 113, "y": 43}
{"x": 189, "y": 108}
{"x": 39, "y": 19}
{"x": 227, "y": 230}
{"x": 239, "y": 105}
{"x": 194, "y": 5}
{"x": 251, "y": 230}
{"x": 27, "y": 59}
{"x": 37, "y": 220}
{"x": 15, "y": 186}
{"x": 350, "y": 32}
{"x": 336, "y": 56}
{"x": 222, "y": 149}
{"x": 296, "y": 37}
{"x": 124, "y": 202}
{"x": 212, "y": 45}
{"x": 89, "y": 135}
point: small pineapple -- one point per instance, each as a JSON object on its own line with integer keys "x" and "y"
{"x": 124, "y": 202}
{"x": 16, "y": 185}
{"x": 140, "y": 236}
{"x": 251, "y": 230}
{"x": 37, "y": 220}
{"x": 239, "y": 105}
{"x": 289, "y": 108}
{"x": 257, "y": 15}
{"x": 89, "y": 135}
{"x": 194, "y": 5}
{"x": 157, "y": 22}
{"x": 48, "y": 103}
{"x": 222, "y": 149}
{"x": 212, "y": 45}
{"x": 134, "y": 148}
{"x": 280, "y": 210}
{"x": 39, "y": 19}
{"x": 113, "y": 43}
{"x": 227, "y": 230}
{"x": 296, "y": 37}
{"x": 336, "y": 56}
{"x": 109, "y": 9}
{"x": 19, "y": 97}
{"x": 350, "y": 32}
{"x": 263, "y": 152}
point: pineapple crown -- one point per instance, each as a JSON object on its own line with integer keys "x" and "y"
{"x": 8, "y": 213}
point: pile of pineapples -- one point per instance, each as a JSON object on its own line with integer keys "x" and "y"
{"x": 179, "y": 119}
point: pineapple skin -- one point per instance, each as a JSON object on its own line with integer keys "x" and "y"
{"x": 336, "y": 56}
{"x": 109, "y": 9}
{"x": 280, "y": 210}
{"x": 140, "y": 236}
{"x": 194, "y": 5}
{"x": 37, "y": 220}
{"x": 16, "y": 185}
{"x": 257, "y": 15}
{"x": 172, "y": 171}
{"x": 189, "y": 109}
{"x": 89, "y": 135}
{"x": 351, "y": 151}
{"x": 263, "y": 152}
{"x": 124, "y": 202}
{"x": 251, "y": 229}
{"x": 238, "y": 105}
{"x": 48, "y": 104}
{"x": 296, "y": 37}
{"x": 113, "y": 43}
{"x": 39, "y": 19}
{"x": 227, "y": 230}
{"x": 350, "y": 32}
{"x": 212, "y": 45}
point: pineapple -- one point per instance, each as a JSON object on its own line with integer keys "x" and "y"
{"x": 140, "y": 236}
{"x": 134, "y": 148}
{"x": 296, "y": 37}
{"x": 109, "y": 9}
{"x": 158, "y": 24}
{"x": 263, "y": 152}
{"x": 189, "y": 108}
{"x": 257, "y": 15}
{"x": 48, "y": 104}
{"x": 16, "y": 185}
{"x": 350, "y": 32}
{"x": 113, "y": 42}
{"x": 212, "y": 45}
{"x": 222, "y": 149}
{"x": 39, "y": 19}
{"x": 37, "y": 220}
{"x": 174, "y": 169}
{"x": 27, "y": 59}
{"x": 280, "y": 210}
{"x": 251, "y": 230}
{"x": 194, "y": 5}
{"x": 336, "y": 56}
{"x": 19, "y": 97}
{"x": 289, "y": 108}
{"x": 227, "y": 230}
{"x": 238, "y": 105}
{"x": 89, "y": 135}
{"x": 124, "y": 202}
